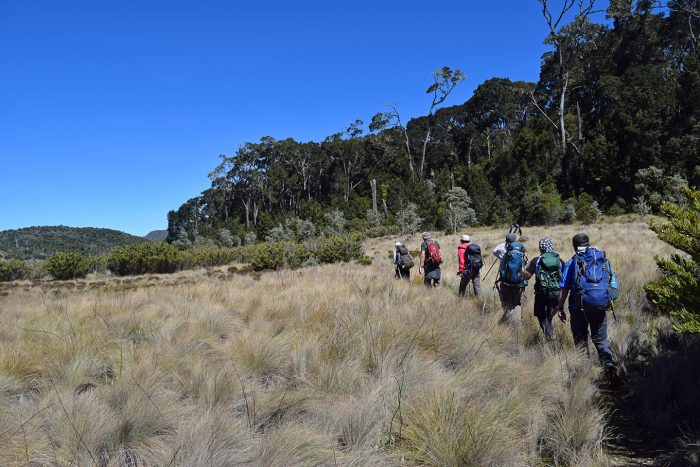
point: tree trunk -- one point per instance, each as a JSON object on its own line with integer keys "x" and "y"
{"x": 425, "y": 148}
{"x": 408, "y": 153}
{"x": 562, "y": 109}
{"x": 373, "y": 184}
{"x": 469, "y": 153}
{"x": 247, "y": 213}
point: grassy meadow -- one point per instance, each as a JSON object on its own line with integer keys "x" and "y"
{"x": 328, "y": 365}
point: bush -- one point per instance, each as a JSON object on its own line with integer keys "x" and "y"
{"x": 382, "y": 231}
{"x": 207, "y": 256}
{"x": 66, "y": 266}
{"x": 542, "y": 207}
{"x": 587, "y": 209}
{"x": 408, "y": 220}
{"x": 340, "y": 248}
{"x": 267, "y": 256}
{"x": 678, "y": 291}
{"x": 14, "y": 270}
{"x": 144, "y": 258}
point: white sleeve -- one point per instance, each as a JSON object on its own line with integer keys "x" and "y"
{"x": 499, "y": 250}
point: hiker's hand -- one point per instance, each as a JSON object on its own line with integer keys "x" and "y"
{"x": 420, "y": 270}
{"x": 562, "y": 315}
{"x": 459, "y": 273}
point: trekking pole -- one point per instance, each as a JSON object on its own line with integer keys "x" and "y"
{"x": 487, "y": 272}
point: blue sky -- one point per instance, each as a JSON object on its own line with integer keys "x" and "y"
{"x": 114, "y": 112}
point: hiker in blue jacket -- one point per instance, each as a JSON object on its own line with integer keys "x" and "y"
{"x": 591, "y": 286}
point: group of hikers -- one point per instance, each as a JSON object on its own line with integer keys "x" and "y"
{"x": 587, "y": 280}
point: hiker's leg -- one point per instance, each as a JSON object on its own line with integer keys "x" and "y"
{"x": 542, "y": 315}
{"x": 550, "y": 309}
{"x": 517, "y": 312}
{"x": 426, "y": 280}
{"x": 511, "y": 311}
{"x": 436, "y": 278}
{"x": 407, "y": 275}
{"x": 579, "y": 329}
{"x": 463, "y": 282}
{"x": 397, "y": 272}
{"x": 597, "y": 318}
{"x": 504, "y": 296}
{"x": 477, "y": 286}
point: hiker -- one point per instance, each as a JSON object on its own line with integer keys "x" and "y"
{"x": 430, "y": 260}
{"x": 591, "y": 286}
{"x": 470, "y": 263}
{"x": 510, "y": 282}
{"x": 403, "y": 261}
{"x": 547, "y": 269}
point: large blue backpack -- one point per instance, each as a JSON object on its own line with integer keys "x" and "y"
{"x": 595, "y": 283}
{"x": 513, "y": 264}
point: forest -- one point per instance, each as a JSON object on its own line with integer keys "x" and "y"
{"x": 611, "y": 127}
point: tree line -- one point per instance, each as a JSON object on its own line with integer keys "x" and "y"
{"x": 612, "y": 126}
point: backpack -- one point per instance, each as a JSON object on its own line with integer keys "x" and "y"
{"x": 472, "y": 259}
{"x": 514, "y": 261}
{"x": 595, "y": 283}
{"x": 405, "y": 258}
{"x": 548, "y": 275}
{"x": 433, "y": 254}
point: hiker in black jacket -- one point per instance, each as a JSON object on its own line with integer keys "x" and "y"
{"x": 547, "y": 270}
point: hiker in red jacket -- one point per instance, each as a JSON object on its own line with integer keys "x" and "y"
{"x": 470, "y": 262}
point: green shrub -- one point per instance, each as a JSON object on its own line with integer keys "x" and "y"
{"x": 542, "y": 207}
{"x": 587, "y": 210}
{"x": 66, "y": 266}
{"x": 678, "y": 291}
{"x": 267, "y": 256}
{"x": 340, "y": 248}
{"x": 294, "y": 255}
{"x": 14, "y": 270}
{"x": 382, "y": 231}
{"x": 207, "y": 256}
{"x": 144, "y": 258}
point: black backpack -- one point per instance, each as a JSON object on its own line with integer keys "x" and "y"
{"x": 473, "y": 261}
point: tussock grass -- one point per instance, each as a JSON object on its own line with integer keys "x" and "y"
{"x": 327, "y": 365}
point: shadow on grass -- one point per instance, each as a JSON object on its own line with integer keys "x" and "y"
{"x": 655, "y": 407}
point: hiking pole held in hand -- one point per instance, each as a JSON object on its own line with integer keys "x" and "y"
{"x": 487, "y": 272}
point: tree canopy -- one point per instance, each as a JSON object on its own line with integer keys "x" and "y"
{"x": 612, "y": 123}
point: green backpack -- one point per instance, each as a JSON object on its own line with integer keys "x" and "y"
{"x": 548, "y": 275}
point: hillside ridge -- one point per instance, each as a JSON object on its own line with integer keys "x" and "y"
{"x": 39, "y": 242}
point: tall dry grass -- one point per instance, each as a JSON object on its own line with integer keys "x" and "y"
{"x": 330, "y": 365}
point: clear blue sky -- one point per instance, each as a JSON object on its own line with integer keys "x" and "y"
{"x": 114, "y": 112}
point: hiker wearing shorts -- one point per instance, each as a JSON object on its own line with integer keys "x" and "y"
{"x": 430, "y": 267}
{"x": 510, "y": 289}
{"x": 547, "y": 270}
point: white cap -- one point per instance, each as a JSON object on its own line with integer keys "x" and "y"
{"x": 465, "y": 238}
{"x": 398, "y": 244}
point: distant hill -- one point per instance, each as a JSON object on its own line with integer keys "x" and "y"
{"x": 40, "y": 242}
{"x": 157, "y": 236}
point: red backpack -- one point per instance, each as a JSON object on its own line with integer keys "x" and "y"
{"x": 434, "y": 254}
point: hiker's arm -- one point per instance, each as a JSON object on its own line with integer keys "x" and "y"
{"x": 563, "y": 293}
{"x": 527, "y": 274}
{"x": 422, "y": 261}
